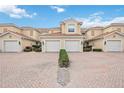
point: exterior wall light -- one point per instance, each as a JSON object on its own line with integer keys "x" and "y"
{"x": 19, "y": 43}
{"x": 105, "y": 43}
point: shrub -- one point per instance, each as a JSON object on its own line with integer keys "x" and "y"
{"x": 27, "y": 49}
{"x": 87, "y": 48}
{"x": 37, "y": 47}
{"x": 97, "y": 50}
{"x": 63, "y": 58}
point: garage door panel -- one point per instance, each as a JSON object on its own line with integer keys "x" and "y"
{"x": 114, "y": 45}
{"x": 72, "y": 45}
{"x": 52, "y": 45}
{"x": 11, "y": 46}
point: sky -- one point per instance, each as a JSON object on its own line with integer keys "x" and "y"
{"x": 48, "y": 16}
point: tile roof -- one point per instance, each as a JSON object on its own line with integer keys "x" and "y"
{"x": 95, "y": 28}
{"x": 29, "y": 28}
{"x": 43, "y": 30}
{"x": 55, "y": 28}
{"x": 114, "y": 24}
{"x": 9, "y": 25}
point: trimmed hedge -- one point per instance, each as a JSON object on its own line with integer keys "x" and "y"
{"x": 28, "y": 49}
{"x": 87, "y": 48}
{"x": 97, "y": 50}
{"x": 37, "y": 47}
{"x": 63, "y": 58}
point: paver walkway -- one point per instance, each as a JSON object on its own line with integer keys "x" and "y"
{"x": 36, "y": 70}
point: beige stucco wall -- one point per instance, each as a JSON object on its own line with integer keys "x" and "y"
{"x": 35, "y": 33}
{"x": 64, "y": 28}
{"x": 97, "y": 43}
{"x": 26, "y": 43}
{"x": 11, "y": 28}
{"x": 53, "y": 31}
{"x": 114, "y": 37}
{"x": 96, "y": 33}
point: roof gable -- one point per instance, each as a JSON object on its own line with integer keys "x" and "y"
{"x": 107, "y": 34}
{"x": 18, "y": 35}
{"x": 115, "y": 32}
{"x": 71, "y": 20}
{"x": 5, "y": 33}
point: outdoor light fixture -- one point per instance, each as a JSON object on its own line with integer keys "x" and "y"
{"x": 19, "y": 43}
{"x": 105, "y": 43}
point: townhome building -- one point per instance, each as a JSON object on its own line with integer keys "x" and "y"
{"x": 69, "y": 35}
{"x": 109, "y": 38}
{"x": 15, "y": 39}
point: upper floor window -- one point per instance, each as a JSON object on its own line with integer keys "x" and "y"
{"x": 71, "y": 28}
{"x": 31, "y": 33}
{"x": 92, "y": 33}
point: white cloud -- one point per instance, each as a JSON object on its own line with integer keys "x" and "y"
{"x": 58, "y": 9}
{"x": 119, "y": 9}
{"x": 97, "y": 20}
{"x": 15, "y": 12}
{"x": 97, "y": 13}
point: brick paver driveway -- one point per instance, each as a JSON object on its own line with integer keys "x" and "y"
{"x": 40, "y": 70}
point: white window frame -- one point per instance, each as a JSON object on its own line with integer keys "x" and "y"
{"x": 72, "y": 27}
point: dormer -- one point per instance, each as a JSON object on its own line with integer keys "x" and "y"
{"x": 70, "y": 26}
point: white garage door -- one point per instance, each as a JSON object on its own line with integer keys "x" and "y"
{"x": 72, "y": 45}
{"x": 114, "y": 45}
{"x": 11, "y": 46}
{"x": 52, "y": 45}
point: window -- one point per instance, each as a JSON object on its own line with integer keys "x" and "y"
{"x": 92, "y": 33}
{"x": 71, "y": 28}
{"x": 31, "y": 33}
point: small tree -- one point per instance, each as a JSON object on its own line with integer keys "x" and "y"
{"x": 63, "y": 58}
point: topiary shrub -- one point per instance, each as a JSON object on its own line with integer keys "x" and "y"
{"x": 63, "y": 58}
{"x": 28, "y": 49}
{"x": 37, "y": 47}
{"x": 97, "y": 50}
{"x": 87, "y": 48}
